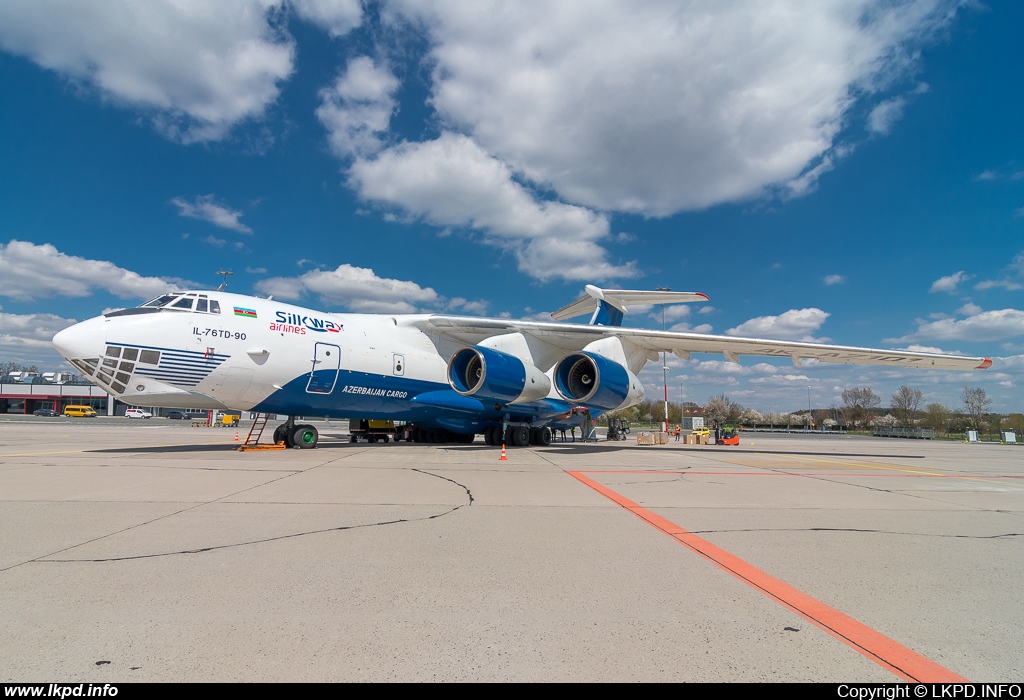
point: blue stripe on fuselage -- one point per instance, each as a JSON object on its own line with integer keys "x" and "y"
{"x": 372, "y": 396}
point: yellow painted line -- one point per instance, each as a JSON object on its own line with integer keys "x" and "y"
{"x": 895, "y": 469}
{"x": 868, "y": 466}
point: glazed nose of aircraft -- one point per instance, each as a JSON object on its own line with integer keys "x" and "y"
{"x": 82, "y": 340}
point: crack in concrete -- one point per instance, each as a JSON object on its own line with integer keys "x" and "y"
{"x": 43, "y": 559}
{"x": 200, "y": 550}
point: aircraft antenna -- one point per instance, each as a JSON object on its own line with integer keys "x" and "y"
{"x": 226, "y": 273}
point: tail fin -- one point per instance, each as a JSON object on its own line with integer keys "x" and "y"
{"x": 609, "y": 305}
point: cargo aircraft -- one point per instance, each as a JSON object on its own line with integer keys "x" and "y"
{"x": 450, "y": 377}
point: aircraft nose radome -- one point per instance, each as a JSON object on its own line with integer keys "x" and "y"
{"x": 82, "y": 340}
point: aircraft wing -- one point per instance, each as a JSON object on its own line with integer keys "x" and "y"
{"x": 572, "y": 337}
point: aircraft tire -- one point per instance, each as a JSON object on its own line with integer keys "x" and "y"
{"x": 280, "y": 435}
{"x": 492, "y": 436}
{"x": 305, "y": 437}
{"x": 518, "y": 435}
{"x": 498, "y": 436}
{"x": 543, "y": 437}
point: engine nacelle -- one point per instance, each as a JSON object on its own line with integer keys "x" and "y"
{"x": 590, "y": 379}
{"x": 484, "y": 373}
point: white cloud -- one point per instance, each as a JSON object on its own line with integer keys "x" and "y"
{"x": 795, "y": 324}
{"x": 885, "y": 115}
{"x": 687, "y": 328}
{"x": 929, "y": 348}
{"x": 452, "y": 182}
{"x": 969, "y": 309}
{"x": 358, "y": 107}
{"x": 27, "y": 271}
{"x": 662, "y": 107}
{"x": 949, "y": 283}
{"x": 478, "y": 307}
{"x": 206, "y": 209}
{"x": 356, "y": 289}
{"x": 338, "y": 17}
{"x": 1016, "y": 267}
{"x": 673, "y": 312}
{"x": 830, "y": 280}
{"x": 197, "y": 67}
{"x": 979, "y": 326}
{"x": 1008, "y": 285}
{"x": 719, "y": 367}
{"x": 32, "y": 331}
{"x": 781, "y": 380}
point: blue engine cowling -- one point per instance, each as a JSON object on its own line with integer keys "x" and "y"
{"x": 484, "y": 373}
{"x": 589, "y": 379}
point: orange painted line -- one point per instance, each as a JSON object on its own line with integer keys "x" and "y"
{"x": 845, "y": 473}
{"x": 887, "y": 653}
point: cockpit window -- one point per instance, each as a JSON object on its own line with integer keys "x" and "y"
{"x": 174, "y": 302}
{"x": 160, "y": 301}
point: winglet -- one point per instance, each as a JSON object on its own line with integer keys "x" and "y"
{"x": 985, "y": 365}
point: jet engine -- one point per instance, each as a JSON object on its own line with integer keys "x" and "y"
{"x": 484, "y": 373}
{"x": 590, "y": 379}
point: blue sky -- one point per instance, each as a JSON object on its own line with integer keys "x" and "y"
{"x": 850, "y": 172}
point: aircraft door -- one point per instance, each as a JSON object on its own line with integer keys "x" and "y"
{"x": 324, "y": 374}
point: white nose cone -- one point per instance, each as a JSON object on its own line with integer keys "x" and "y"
{"x": 82, "y": 340}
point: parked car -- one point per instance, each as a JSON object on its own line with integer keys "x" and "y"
{"x": 185, "y": 415}
{"x": 137, "y": 413}
{"x": 45, "y": 412}
{"x": 79, "y": 411}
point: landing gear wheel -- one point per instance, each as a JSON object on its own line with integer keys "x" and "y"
{"x": 540, "y": 436}
{"x": 518, "y": 435}
{"x": 491, "y": 435}
{"x": 281, "y": 435}
{"x": 305, "y": 437}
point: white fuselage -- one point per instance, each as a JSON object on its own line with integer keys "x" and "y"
{"x": 263, "y": 355}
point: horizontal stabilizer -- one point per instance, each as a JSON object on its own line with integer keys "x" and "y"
{"x": 621, "y": 299}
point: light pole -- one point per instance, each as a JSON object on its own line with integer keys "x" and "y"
{"x": 664, "y": 367}
{"x": 809, "y": 424}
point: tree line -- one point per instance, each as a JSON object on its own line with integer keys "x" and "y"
{"x": 861, "y": 409}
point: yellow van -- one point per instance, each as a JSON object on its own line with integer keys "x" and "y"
{"x": 79, "y": 411}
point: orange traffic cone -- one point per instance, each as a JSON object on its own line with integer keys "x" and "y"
{"x": 503, "y": 458}
{"x": 236, "y": 436}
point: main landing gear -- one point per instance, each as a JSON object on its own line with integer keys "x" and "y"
{"x": 303, "y": 437}
{"x": 517, "y": 436}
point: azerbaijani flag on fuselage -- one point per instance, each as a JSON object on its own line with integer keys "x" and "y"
{"x": 248, "y": 313}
